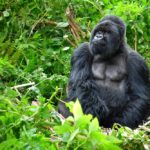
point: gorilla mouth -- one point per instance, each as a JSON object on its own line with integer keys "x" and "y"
{"x": 99, "y": 44}
{"x": 98, "y": 49}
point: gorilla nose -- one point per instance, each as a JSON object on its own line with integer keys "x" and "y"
{"x": 95, "y": 41}
{"x": 99, "y": 36}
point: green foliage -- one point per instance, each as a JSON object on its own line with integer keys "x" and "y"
{"x": 7, "y": 74}
{"x": 7, "y": 71}
{"x": 83, "y": 132}
{"x": 132, "y": 139}
{"x": 36, "y": 43}
{"x": 23, "y": 125}
{"x": 36, "y": 125}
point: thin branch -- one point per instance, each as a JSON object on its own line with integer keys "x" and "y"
{"x": 74, "y": 27}
{"x": 135, "y": 40}
{"x": 35, "y": 24}
{"x": 144, "y": 128}
{"x": 23, "y": 85}
{"x": 146, "y": 123}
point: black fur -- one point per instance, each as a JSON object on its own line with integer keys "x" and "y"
{"x": 129, "y": 106}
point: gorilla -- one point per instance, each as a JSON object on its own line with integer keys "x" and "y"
{"x": 110, "y": 80}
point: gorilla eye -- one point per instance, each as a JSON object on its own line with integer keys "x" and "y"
{"x": 108, "y": 31}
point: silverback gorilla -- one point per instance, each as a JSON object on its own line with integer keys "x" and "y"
{"x": 110, "y": 80}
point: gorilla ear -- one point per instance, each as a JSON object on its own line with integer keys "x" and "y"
{"x": 122, "y": 30}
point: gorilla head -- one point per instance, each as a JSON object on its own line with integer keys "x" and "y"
{"x": 107, "y": 37}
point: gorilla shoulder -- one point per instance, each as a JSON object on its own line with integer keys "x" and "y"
{"x": 83, "y": 48}
{"x": 81, "y": 53}
{"x": 137, "y": 64}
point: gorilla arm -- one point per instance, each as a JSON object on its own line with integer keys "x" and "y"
{"x": 138, "y": 107}
{"x": 82, "y": 86}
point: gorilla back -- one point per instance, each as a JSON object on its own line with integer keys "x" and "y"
{"x": 110, "y": 80}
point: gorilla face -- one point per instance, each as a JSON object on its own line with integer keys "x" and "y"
{"x": 105, "y": 39}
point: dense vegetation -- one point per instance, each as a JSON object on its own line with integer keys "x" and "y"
{"x": 37, "y": 38}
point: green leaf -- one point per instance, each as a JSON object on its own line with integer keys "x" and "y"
{"x": 62, "y": 24}
{"x": 73, "y": 135}
{"x": 103, "y": 141}
{"x": 83, "y": 122}
{"x": 110, "y": 146}
{"x": 1, "y": 18}
{"x": 77, "y": 110}
{"x": 52, "y": 147}
{"x": 66, "y": 127}
{"x": 66, "y": 48}
{"x": 70, "y": 106}
{"x": 94, "y": 125}
{"x": 6, "y": 13}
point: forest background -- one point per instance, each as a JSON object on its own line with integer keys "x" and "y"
{"x": 37, "y": 39}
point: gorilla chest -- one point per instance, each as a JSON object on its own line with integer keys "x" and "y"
{"x": 110, "y": 73}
